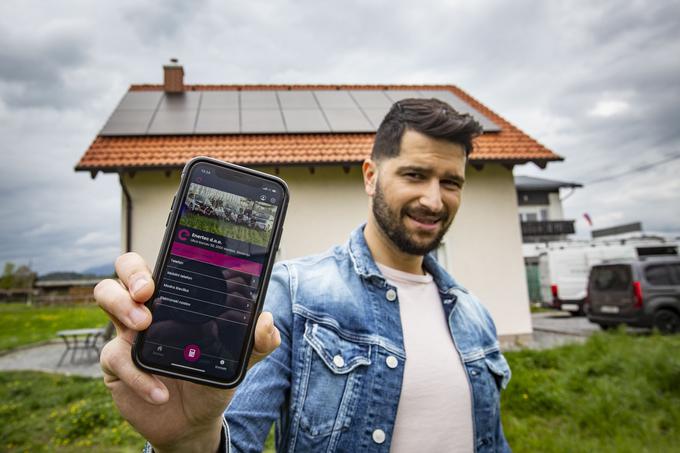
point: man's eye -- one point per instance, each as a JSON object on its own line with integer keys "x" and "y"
{"x": 417, "y": 176}
{"x": 451, "y": 183}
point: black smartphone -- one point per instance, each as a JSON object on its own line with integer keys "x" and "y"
{"x": 211, "y": 274}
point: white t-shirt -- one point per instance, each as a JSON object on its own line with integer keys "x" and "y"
{"x": 435, "y": 409}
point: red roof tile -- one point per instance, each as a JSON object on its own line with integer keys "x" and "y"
{"x": 109, "y": 153}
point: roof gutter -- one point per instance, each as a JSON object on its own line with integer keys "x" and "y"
{"x": 128, "y": 213}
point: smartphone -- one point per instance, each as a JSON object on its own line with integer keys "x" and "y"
{"x": 211, "y": 275}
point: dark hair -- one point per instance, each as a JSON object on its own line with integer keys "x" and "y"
{"x": 431, "y": 117}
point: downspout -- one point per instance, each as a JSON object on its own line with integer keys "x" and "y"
{"x": 128, "y": 214}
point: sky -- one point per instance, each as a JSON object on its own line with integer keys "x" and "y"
{"x": 596, "y": 82}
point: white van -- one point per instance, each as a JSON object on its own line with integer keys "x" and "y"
{"x": 563, "y": 268}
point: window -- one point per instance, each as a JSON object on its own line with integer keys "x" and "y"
{"x": 611, "y": 278}
{"x": 531, "y": 217}
{"x": 676, "y": 269}
{"x": 544, "y": 214}
{"x": 658, "y": 275}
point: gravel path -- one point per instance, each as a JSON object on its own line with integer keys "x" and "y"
{"x": 45, "y": 358}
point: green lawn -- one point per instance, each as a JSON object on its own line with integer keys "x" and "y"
{"x": 48, "y": 412}
{"x": 21, "y": 324}
{"x": 616, "y": 393}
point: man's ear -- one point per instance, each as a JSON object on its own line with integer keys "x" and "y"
{"x": 370, "y": 171}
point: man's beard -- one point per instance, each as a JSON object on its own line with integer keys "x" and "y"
{"x": 393, "y": 226}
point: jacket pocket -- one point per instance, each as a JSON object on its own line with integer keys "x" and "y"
{"x": 499, "y": 367}
{"x": 334, "y": 370}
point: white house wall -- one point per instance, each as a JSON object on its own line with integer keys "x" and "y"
{"x": 555, "y": 208}
{"x": 483, "y": 248}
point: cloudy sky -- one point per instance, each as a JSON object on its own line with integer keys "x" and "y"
{"x": 596, "y": 82}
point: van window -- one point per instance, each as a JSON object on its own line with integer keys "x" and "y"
{"x": 658, "y": 275}
{"x": 676, "y": 269}
{"x": 608, "y": 278}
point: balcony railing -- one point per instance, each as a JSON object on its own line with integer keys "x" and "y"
{"x": 547, "y": 228}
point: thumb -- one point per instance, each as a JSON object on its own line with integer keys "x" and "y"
{"x": 267, "y": 338}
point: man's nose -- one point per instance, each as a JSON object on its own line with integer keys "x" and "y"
{"x": 432, "y": 197}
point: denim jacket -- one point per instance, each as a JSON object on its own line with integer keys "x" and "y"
{"x": 328, "y": 387}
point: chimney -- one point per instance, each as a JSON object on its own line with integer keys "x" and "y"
{"x": 173, "y": 77}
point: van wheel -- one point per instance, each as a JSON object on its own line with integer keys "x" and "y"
{"x": 667, "y": 321}
{"x": 607, "y": 326}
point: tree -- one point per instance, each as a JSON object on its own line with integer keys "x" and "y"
{"x": 7, "y": 279}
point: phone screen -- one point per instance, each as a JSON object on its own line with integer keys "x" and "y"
{"x": 207, "y": 290}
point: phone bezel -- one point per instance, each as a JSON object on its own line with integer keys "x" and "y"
{"x": 164, "y": 254}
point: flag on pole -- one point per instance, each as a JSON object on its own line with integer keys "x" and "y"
{"x": 588, "y": 219}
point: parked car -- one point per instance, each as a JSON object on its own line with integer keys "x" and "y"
{"x": 641, "y": 293}
{"x": 563, "y": 271}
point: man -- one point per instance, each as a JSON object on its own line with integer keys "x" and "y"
{"x": 375, "y": 346}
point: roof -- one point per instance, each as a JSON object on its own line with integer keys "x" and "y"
{"x": 530, "y": 183}
{"x": 115, "y": 150}
{"x": 69, "y": 282}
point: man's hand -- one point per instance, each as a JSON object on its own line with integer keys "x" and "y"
{"x": 173, "y": 415}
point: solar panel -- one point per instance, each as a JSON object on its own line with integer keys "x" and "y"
{"x": 262, "y": 121}
{"x": 259, "y": 100}
{"x": 334, "y": 99}
{"x": 305, "y": 120}
{"x": 376, "y": 116}
{"x": 371, "y": 99}
{"x": 173, "y": 122}
{"x": 463, "y": 107}
{"x": 127, "y": 122}
{"x": 180, "y": 101}
{"x": 140, "y": 100}
{"x": 398, "y": 95}
{"x": 297, "y": 100}
{"x": 217, "y": 121}
{"x": 348, "y": 120}
{"x": 219, "y": 100}
{"x": 265, "y": 111}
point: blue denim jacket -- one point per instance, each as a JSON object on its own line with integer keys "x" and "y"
{"x": 328, "y": 387}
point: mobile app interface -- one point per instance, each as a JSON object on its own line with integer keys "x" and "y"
{"x": 206, "y": 294}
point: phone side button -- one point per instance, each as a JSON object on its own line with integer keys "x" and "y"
{"x": 168, "y": 219}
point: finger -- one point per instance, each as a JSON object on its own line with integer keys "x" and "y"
{"x": 117, "y": 365}
{"x": 135, "y": 275}
{"x": 125, "y": 313}
{"x": 267, "y": 338}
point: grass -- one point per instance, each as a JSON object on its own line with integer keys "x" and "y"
{"x": 222, "y": 228}
{"x": 22, "y": 324}
{"x": 615, "y": 393}
{"x": 49, "y": 412}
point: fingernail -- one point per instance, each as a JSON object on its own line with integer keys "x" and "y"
{"x": 137, "y": 316}
{"x": 157, "y": 395}
{"x": 138, "y": 284}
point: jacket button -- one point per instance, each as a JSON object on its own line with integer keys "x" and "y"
{"x": 392, "y": 361}
{"x": 378, "y": 436}
{"x": 391, "y": 295}
{"x": 339, "y": 361}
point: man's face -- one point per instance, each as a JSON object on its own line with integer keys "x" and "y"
{"x": 416, "y": 195}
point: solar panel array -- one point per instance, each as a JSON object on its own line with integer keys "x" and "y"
{"x": 265, "y": 111}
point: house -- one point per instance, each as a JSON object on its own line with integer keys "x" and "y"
{"x": 315, "y": 137}
{"x": 542, "y": 221}
{"x": 540, "y": 209}
{"x": 65, "y": 290}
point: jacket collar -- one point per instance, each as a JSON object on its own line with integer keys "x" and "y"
{"x": 365, "y": 266}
